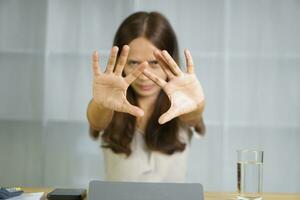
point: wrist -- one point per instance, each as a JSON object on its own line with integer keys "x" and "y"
{"x": 96, "y": 104}
{"x": 201, "y": 106}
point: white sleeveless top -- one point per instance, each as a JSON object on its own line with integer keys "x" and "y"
{"x": 147, "y": 166}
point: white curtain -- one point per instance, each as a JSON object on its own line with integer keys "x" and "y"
{"x": 247, "y": 55}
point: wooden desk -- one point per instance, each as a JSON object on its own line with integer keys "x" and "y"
{"x": 208, "y": 195}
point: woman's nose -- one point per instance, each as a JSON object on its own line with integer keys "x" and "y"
{"x": 142, "y": 77}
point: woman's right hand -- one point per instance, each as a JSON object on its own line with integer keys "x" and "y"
{"x": 110, "y": 87}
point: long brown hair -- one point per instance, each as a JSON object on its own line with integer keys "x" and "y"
{"x": 119, "y": 133}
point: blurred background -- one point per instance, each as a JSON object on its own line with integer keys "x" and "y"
{"x": 247, "y": 57}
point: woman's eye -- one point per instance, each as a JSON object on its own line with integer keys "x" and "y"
{"x": 133, "y": 63}
{"x": 153, "y": 64}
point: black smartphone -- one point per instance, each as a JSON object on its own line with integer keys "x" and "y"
{"x": 67, "y": 194}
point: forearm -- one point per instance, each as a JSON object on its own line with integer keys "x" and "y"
{"x": 98, "y": 116}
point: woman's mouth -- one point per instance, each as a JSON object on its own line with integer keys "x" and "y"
{"x": 145, "y": 87}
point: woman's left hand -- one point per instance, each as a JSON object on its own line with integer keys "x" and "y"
{"x": 183, "y": 88}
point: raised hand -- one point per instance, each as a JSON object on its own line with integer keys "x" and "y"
{"x": 109, "y": 88}
{"x": 183, "y": 88}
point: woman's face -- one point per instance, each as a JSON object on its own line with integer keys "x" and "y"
{"x": 142, "y": 50}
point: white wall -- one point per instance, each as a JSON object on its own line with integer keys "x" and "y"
{"x": 247, "y": 55}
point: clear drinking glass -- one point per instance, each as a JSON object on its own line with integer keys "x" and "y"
{"x": 249, "y": 174}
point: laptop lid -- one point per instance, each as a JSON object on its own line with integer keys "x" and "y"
{"x": 103, "y": 190}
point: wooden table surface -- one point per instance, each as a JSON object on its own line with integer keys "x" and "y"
{"x": 208, "y": 195}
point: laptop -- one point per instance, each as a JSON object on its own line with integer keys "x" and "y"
{"x": 104, "y": 190}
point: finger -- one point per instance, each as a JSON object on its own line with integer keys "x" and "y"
{"x": 160, "y": 82}
{"x": 96, "y": 66}
{"x": 163, "y": 64}
{"x": 133, "y": 110}
{"x": 168, "y": 116}
{"x": 171, "y": 63}
{"x": 189, "y": 61}
{"x": 112, "y": 60}
{"x": 136, "y": 73}
{"x": 122, "y": 60}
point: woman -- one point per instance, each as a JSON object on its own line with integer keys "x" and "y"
{"x": 144, "y": 105}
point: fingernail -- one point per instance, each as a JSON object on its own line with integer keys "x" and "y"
{"x": 160, "y": 121}
{"x": 115, "y": 48}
